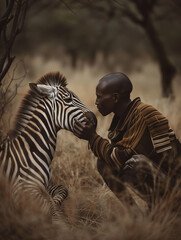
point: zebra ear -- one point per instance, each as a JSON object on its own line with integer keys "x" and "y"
{"x": 43, "y": 90}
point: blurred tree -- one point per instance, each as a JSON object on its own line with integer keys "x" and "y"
{"x": 145, "y": 8}
{"x": 141, "y": 13}
{"x": 12, "y": 17}
{"x": 84, "y": 28}
{"x": 13, "y": 14}
{"x": 80, "y": 33}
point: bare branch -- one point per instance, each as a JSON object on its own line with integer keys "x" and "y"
{"x": 5, "y": 70}
{"x": 11, "y": 24}
{"x": 9, "y": 89}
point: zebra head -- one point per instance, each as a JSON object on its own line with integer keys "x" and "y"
{"x": 65, "y": 105}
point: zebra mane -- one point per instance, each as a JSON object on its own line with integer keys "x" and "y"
{"x": 53, "y": 79}
{"x": 31, "y": 100}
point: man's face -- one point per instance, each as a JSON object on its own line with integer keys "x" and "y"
{"x": 104, "y": 99}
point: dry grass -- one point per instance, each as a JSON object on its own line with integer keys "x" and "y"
{"x": 91, "y": 211}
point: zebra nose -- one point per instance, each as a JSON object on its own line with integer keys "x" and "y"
{"x": 91, "y": 116}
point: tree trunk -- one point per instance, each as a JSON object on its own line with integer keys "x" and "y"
{"x": 168, "y": 71}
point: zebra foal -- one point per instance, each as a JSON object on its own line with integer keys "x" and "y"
{"x": 26, "y": 155}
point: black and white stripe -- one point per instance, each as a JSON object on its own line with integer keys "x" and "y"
{"x": 26, "y": 155}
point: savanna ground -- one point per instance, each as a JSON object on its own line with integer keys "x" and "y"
{"x": 91, "y": 210}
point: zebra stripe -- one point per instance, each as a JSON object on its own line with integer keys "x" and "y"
{"x": 26, "y": 155}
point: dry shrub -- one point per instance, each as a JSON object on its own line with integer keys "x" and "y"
{"x": 25, "y": 220}
{"x": 91, "y": 210}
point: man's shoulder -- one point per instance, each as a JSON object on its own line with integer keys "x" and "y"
{"x": 146, "y": 109}
{"x": 139, "y": 108}
{"x": 146, "y": 113}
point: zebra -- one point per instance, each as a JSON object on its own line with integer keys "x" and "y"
{"x": 26, "y": 154}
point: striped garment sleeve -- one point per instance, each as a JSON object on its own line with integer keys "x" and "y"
{"x": 114, "y": 156}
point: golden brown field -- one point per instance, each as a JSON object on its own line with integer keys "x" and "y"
{"x": 91, "y": 211}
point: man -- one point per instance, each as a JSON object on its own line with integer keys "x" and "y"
{"x": 142, "y": 148}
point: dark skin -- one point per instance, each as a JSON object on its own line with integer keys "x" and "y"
{"x": 112, "y": 95}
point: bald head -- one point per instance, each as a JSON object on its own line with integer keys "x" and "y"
{"x": 116, "y": 83}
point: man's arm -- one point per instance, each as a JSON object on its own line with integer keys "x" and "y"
{"x": 113, "y": 155}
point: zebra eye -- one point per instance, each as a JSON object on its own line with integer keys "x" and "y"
{"x": 68, "y": 99}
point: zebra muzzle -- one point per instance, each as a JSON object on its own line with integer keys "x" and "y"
{"x": 90, "y": 116}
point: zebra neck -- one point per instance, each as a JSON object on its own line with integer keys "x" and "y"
{"x": 41, "y": 137}
{"x": 39, "y": 134}
{"x": 40, "y": 131}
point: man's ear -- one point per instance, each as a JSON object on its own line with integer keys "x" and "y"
{"x": 43, "y": 90}
{"x": 116, "y": 97}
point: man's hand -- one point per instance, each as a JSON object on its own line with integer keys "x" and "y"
{"x": 137, "y": 161}
{"x": 85, "y": 130}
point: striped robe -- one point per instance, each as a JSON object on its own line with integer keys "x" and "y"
{"x": 141, "y": 130}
